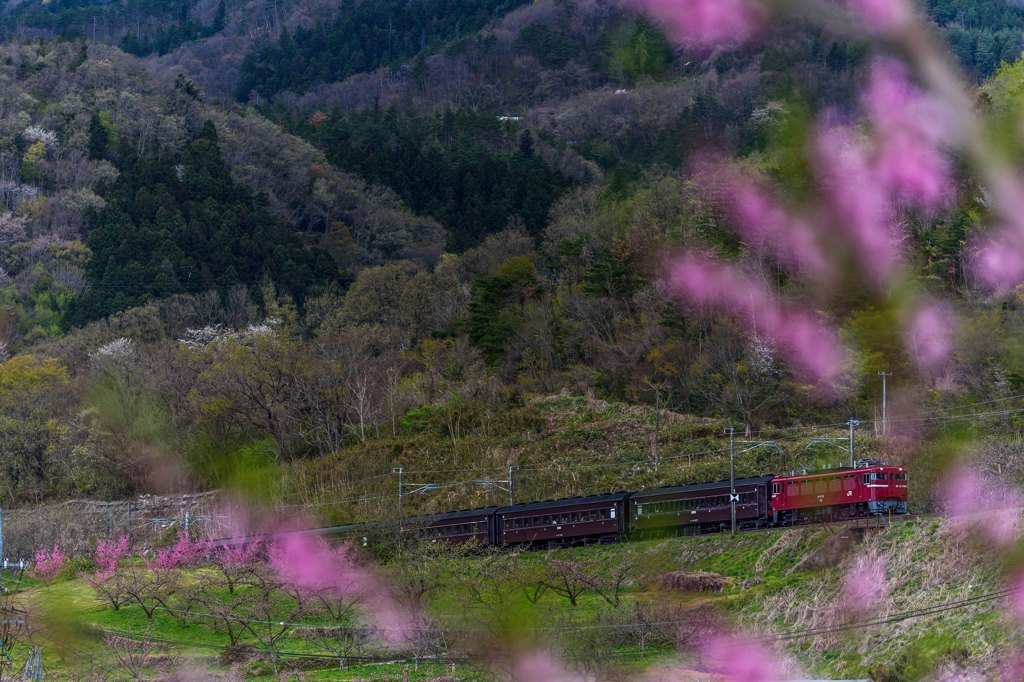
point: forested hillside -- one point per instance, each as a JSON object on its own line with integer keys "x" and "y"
{"x": 484, "y": 226}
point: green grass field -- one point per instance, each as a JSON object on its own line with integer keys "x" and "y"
{"x": 773, "y": 581}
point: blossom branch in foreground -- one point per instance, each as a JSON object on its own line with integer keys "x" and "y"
{"x": 743, "y": 660}
{"x": 312, "y": 566}
{"x": 857, "y": 202}
{"x": 864, "y": 586}
{"x": 707, "y": 23}
{"x": 811, "y": 348}
{"x": 988, "y": 508}
{"x": 882, "y": 17}
{"x": 929, "y": 335}
{"x": 910, "y": 126}
{"x": 766, "y": 224}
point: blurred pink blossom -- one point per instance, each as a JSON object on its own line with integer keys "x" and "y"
{"x": 707, "y": 23}
{"x": 858, "y": 202}
{"x": 883, "y": 17}
{"x": 929, "y": 335}
{"x": 864, "y": 585}
{"x": 989, "y": 508}
{"x": 766, "y": 224}
{"x": 998, "y": 261}
{"x": 1015, "y": 599}
{"x": 742, "y": 660}
{"x": 1012, "y": 667}
{"x": 108, "y": 555}
{"x": 312, "y": 565}
{"x": 47, "y": 565}
{"x": 910, "y": 126}
{"x": 813, "y": 349}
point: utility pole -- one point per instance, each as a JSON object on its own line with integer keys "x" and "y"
{"x": 510, "y": 468}
{"x": 733, "y": 497}
{"x": 852, "y": 423}
{"x": 885, "y": 415}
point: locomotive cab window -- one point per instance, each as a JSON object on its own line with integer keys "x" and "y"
{"x": 776, "y": 488}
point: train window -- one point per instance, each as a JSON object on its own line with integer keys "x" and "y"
{"x": 900, "y": 477}
{"x": 547, "y": 520}
{"x": 776, "y": 488}
{"x": 604, "y": 514}
{"x": 866, "y": 477}
{"x": 574, "y": 517}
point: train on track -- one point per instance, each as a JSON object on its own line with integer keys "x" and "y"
{"x": 868, "y": 489}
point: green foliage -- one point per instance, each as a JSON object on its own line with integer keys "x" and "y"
{"x": 361, "y": 37}
{"x": 645, "y": 52}
{"x": 495, "y": 307}
{"x": 982, "y": 33}
{"x": 550, "y": 45}
{"x": 469, "y": 171}
{"x": 170, "y": 229}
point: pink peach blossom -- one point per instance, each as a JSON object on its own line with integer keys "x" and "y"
{"x": 311, "y": 565}
{"x": 707, "y": 23}
{"x": 883, "y": 17}
{"x": 910, "y": 127}
{"x": 857, "y": 202}
{"x": 742, "y": 660}
{"x": 864, "y": 585}
{"x": 929, "y": 335}
{"x": 763, "y": 222}
{"x": 812, "y": 348}
{"x": 108, "y": 556}
{"x": 47, "y": 565}
{"x": 991, "y": 509}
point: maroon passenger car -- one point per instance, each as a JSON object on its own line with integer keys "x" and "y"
{"x": 576, "y": 520}
{"x": 455, "y": 527}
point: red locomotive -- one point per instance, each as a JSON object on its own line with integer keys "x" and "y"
{"x": 839, "y": 494}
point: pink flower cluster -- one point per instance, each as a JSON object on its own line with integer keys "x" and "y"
{"x": 313, "y": 566}
{"x": 999, "y": 258}
{"x": 241, "y": 554}
{"x": 707, "y": 23}
{"x": 810, "y": 346}
{"x": 185, "y": 552}
{"x": 989, "y": 508}
{"x": 742, "y": 660}
{"x": 910, "y": 127}
{"x": 767, "y": 225}
{"x": 853, "y": 223}
{"x": 929, "y": 335}
{"x": 882, "y": 17}
{"x": 864, "y": 585}
{"x": 108, "y": 556}
{"x": 47, "y": 565}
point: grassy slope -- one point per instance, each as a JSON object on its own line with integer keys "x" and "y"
{"x": 563, "y": 446}
{"x": 780, "y": 580}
